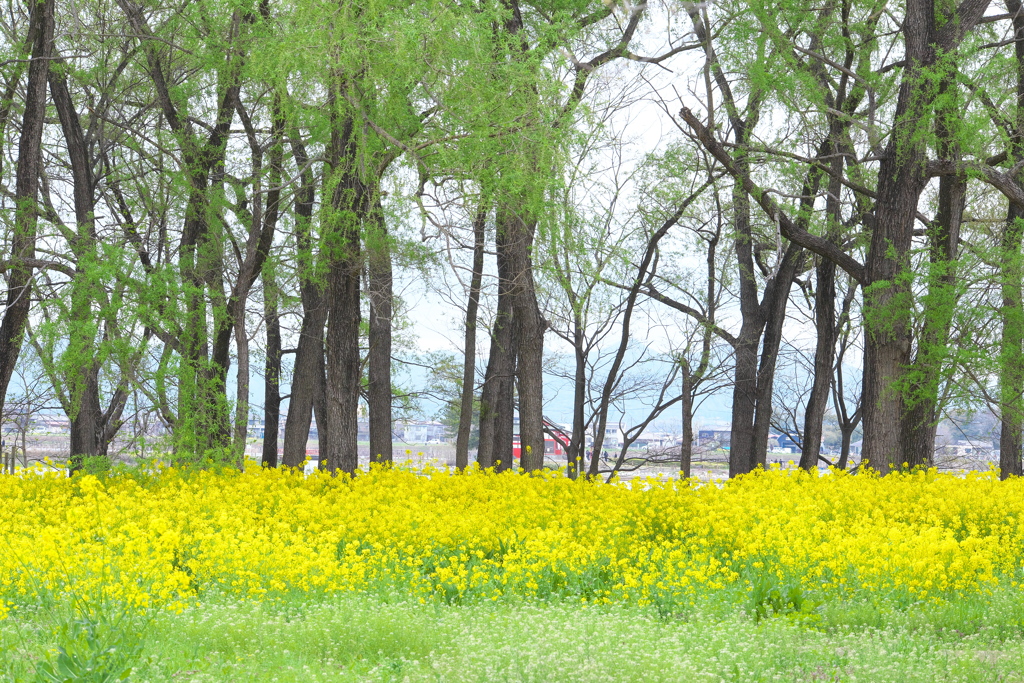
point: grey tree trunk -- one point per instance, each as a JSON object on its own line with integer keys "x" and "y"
{"x": 824, "y": 353}
{"x": 378, "y": 355}
{"x": 1011, "y": 314}
{"x": 469, "y": 354}
{"x": 23, "y": 242}
{"x": 341, "y": 349}
{"x": 922, "y": 408}
{"x": 271, "y": 371}
{"x": 824, "y": 320}
{"x": 497, "y": 397}
{"x": 82, "y": 386}
{"x": 309, "y": 352}
{"x": 776, "y": 301}
{"x": 575, "y": 453}
{"x": 888, "y": 339}
{"x": 271, "y": 295}
{"x": 1011, "y": 356}
{"x": 686, "y": 447}
{"x": 529, "y": 332}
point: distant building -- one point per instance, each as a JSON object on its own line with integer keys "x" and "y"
{"x": 51, "y": 424}
{"x": 714, "y": 438}
{"x": 965, "y": 449}
{"x": 782, "y": 443}
{"x": 613, "y": 436}
{"x": 421, "y": 432}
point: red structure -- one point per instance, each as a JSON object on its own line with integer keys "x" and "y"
{"x": 552, "y": 447}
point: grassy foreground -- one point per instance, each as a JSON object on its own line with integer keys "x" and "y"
{"x": 367, "y": 638}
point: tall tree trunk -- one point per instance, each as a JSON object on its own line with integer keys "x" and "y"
{"x": 686, "y": 446}
{"x": 824, "y": 353}
{"x": 242, "y": 380}
{"x": 577, "y": 443}
{"x": 824, "y": 321}
{"x": 921, "y": 414}
{"x": 23, "y": 242}
{"x": 378, "y": 355}
{"x": 497, "y": 398}
{"x": 271, "y": 296}
{"x": 1011, "y": 313}
{"x": 469, "y": 355}
{"x": 901, "y": 179}
{"x": 309, "y": 353}
{"x": 342, "y": 226}
{"x": 530, "y": 337}
{"x": 82, "y": 385}
{"x": 776, "y": 302}
{"x": 744, "y": 390}
{"x": 505, "y": 400}
{"x": 320, "y": 407}
{"x": 1011, "y": 353}
{"x": 272, "y": 370}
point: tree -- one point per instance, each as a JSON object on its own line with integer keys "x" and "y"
{"x": 26, "y": 212}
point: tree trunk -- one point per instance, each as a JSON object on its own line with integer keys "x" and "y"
{"x": 529, "y": 333}
{"x": 824, "y": 353}
{"x": 271, "y": 297}
{"x": 497, "y": 397}
{"x": 272, "y": 370}
{"x": 844, "y": 450}
{"x": 241, "y": 391}
{"x": 320, "y": 408}
{"x": 824, "y": 320}
{"x": 922, "y": 400}
{"x": 23, "y": 242}
{"x": 887, "y": 297}
{"x": 342, "y": 227}
{"x": 744, "y": 399}
{"x": 469, "y": 355}
{"x": 309, "y": 353}
{"x": 1011, "y": 353}
{"x": 378, "y": 355}
{"x": 744, "y": 391}
{"x": 1011, "y": 314}
{"x": 82, "y": 384}
{"x": 686, "y": 447}
{"x": 577, "y": 444}
{"x": 776, "y": 301}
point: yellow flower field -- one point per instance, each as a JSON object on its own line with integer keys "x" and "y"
{"x": 168, "y": 538}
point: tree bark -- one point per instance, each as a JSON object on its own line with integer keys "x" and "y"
{"x": 530, "y": 336}
{"x": 23, "y": 241}
{"x": 577, "y": 443}
{"x": 271, "y": 315}
{"x": 82, "y": 385}
{"x": 309, "y": 353}
{"x": 497, "y": 397}
{"x": 887, "y": 344}
{"x": 824, "y": 323}
{"x": 342, "y": 229}
{"x": 271, "y": 370}
{"x": 378, "y": 355}
{"x": 469, "y": 354}
{"x": 686, "y": 447}
{"x": 1011, "y": 313}
{"x": 1011, "y": 352}
{"x": 777, "y": 299}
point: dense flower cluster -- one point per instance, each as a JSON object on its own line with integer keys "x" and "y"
{"x": 168, "y": 537}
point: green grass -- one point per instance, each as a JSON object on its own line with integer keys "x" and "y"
{"x": 371, "y": 638}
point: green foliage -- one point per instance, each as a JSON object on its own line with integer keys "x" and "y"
{"x": 92, "y": 648}
{"x": 371, "y": 637}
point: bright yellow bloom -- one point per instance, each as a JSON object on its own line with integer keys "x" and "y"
{"x": 168, "y": 538}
